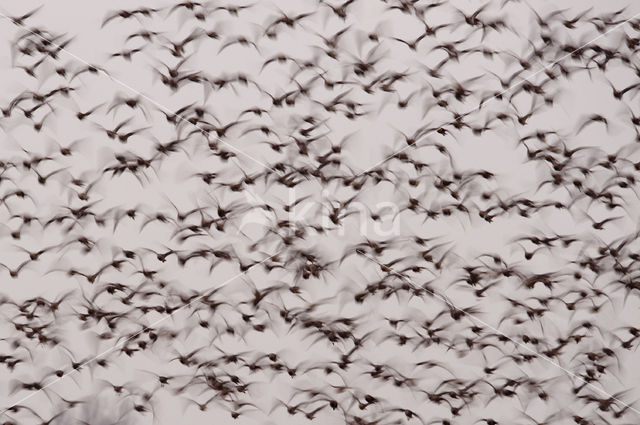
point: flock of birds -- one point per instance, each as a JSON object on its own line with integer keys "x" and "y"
{"x": 354, "y": 212}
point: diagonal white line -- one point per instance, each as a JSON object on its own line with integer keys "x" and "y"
{"x": 124, "y": 341}
{"x": 518, "y": 84}
{"x": 477, "y": 319}
{"x": 448, "y": 302}
{"x": 133, "y": 90}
